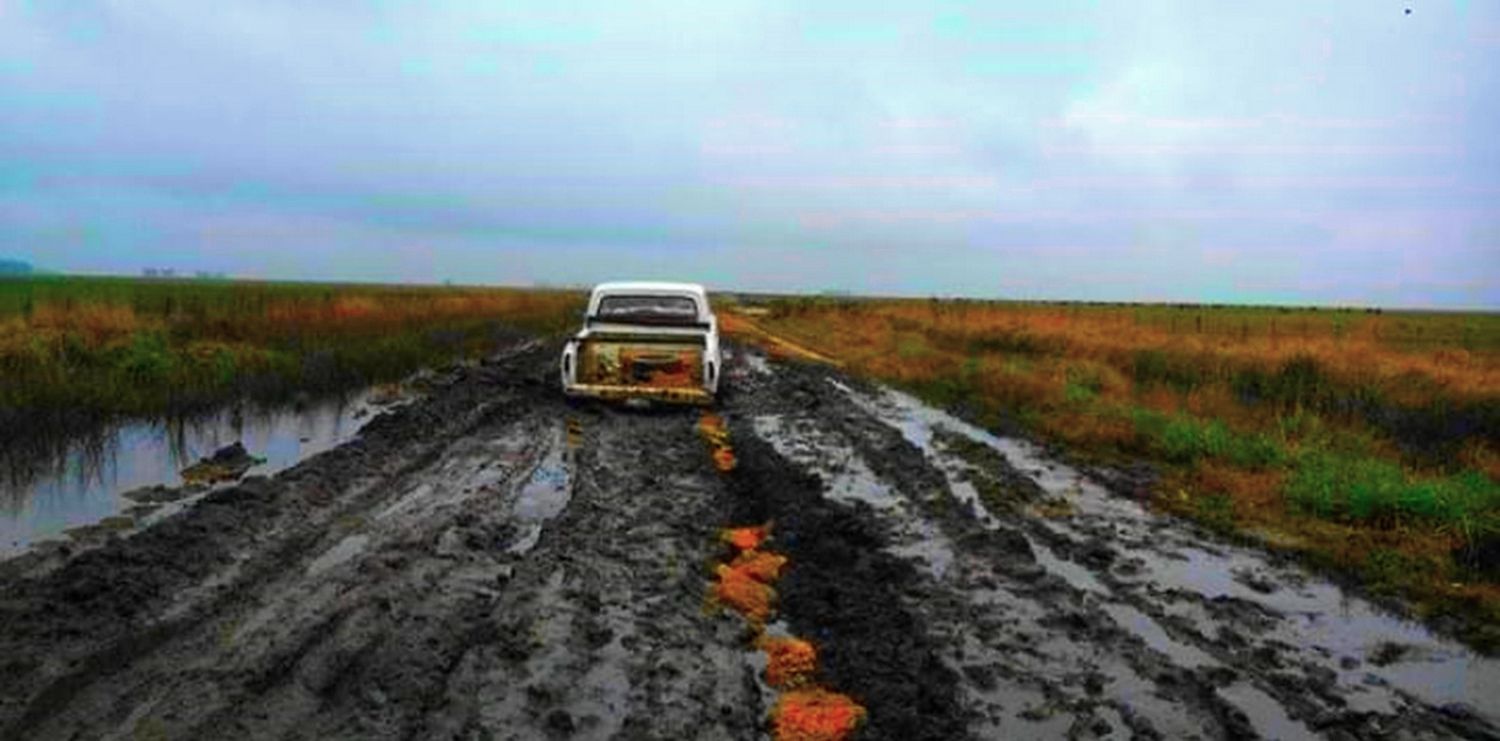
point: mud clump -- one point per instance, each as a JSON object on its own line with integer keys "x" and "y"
{"x": 790, "y": 662}
{"x": 746, "y": 594}
{"x": 228, "y": 463}
{"x": 815, "y": 715}
{"x": 759, "y": 565}
{"x": 745, "y": 538}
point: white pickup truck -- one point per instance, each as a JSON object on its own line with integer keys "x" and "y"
{"x": 651, "y": 341}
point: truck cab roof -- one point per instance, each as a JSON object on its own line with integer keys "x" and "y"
{"x": 649, "y": 288}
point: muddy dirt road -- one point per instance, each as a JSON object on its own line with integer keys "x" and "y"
{"x": 489, "y": 563}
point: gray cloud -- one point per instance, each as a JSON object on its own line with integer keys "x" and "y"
{"x": 1280, "y": 151}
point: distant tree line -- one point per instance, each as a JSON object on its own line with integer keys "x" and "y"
{"x": 172, "y": 273}
{"x": 15, "y": 267}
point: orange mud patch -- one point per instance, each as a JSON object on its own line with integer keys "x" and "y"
{"x": 712, "y": 428}
{"x": 790, "y": 663}
{"x": 815, "y": 715}
{"x": 748, "y": 596}
{"x": 745, "y": 583}
{"x": 746, "y": 538}
{"x": 759, "y": 565}
{"x": 710, "y": 422}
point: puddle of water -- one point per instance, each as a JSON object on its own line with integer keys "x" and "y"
{"x": 1325, "y": 625}
{"x": 545, "y": 494}
{"x": 1079, "y": 577}
{"x": 758, "y": 363}
{"x": 1144, "y": 626}
{"x": 84, "y": 485}
{"x": 1133, "y": 691}
{"x": 968, "y": 496}
{"x": 1266, "y": 715}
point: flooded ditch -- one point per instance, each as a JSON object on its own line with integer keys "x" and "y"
{"x": 84, "y": 485}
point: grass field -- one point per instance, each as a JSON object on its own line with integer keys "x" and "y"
{"x": 74, "y": 351}
{"x": 1366, "y": 441}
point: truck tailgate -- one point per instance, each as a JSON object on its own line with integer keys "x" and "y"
{"x": 648, "y": 362}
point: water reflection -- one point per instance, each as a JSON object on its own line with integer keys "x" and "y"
{"x": 48, "y": 487}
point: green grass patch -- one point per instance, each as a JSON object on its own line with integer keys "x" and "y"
{"x": 1185, "y": 440}
{"x": 1350, "y": 488}
{"x": 1083, "y": 384}
{"x": 1076, "y": 393}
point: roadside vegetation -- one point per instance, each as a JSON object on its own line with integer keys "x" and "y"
{"x": 78, "y": 351}
{"x": 1365, "y": 441}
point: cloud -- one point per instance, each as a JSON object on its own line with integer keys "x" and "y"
{"x": 911, "y": 148}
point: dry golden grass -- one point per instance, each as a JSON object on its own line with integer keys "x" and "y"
{"x": 1113, "y": 338}
{"x": 81, "y": 349}
{"x": 1250, "y": 415}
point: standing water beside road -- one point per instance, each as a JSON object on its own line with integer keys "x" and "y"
{"x": 83, "y": 484}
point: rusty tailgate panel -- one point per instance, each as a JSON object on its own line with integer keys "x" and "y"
{"x": 666, "y": 369}
{"x": 657, "y": 364}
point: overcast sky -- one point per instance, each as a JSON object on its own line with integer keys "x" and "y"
{"x": 1330, "y": 152}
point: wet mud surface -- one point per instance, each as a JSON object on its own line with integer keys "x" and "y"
{"x": 489, "y": 562}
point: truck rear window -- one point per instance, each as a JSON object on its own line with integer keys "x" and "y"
{"x": 654, "y": 309}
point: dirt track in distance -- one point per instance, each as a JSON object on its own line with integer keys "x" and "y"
{"x": 490, "y": 563}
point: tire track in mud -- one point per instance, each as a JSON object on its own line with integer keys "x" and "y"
{"x": 1046, "y": 593}
{"x": 510, "y": 579}
{"x": 996, "y": 690}
{"x": 71, "y": 633}
{"x": 1036, "y": 660}
{"x": 841, "y": 590}
{"x": 358, "y": 639}
{"x": 608, "y": 637}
